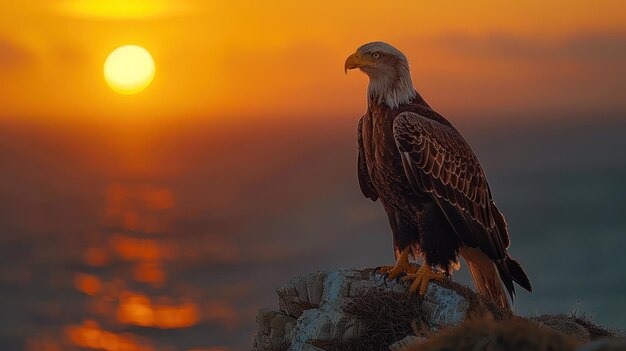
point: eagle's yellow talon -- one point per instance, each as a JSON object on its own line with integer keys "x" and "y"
{"x": 402, "y": 266}
{"x": 384, "y": 269}
{"x": 408, "y": 277}
{"x": 421, "y": 279}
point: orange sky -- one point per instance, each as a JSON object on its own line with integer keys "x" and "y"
{"x": 164, "y": 185}
{"x": 266, "y": 58}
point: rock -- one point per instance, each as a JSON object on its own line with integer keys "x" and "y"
{"x": 308, "y": 347}
{"x": 312, "y": 309}
{"x": 407, "y": 342}
{"x": 354, "y": 309}
{"x": 605, "y": 344}
{"x": 274, "y": 330}
{"x": 327, "y": 322}
{"x": 564, "y": 324}
{"x": 444, "y": 306}
{"x": 301, "y": 293}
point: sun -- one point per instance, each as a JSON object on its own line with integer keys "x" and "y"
{"x": 129, "y": 69}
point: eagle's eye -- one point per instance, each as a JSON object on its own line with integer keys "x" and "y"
{"x": 376, "y": 55}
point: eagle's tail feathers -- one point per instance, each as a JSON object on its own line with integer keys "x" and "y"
{"x": 517, "y": 273}
{"x": 485, "y": 275}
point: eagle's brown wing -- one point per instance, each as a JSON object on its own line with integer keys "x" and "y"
{"x": 437, "y": 160}
{"x": 365, "y": 182}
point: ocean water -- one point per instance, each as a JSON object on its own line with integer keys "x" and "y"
{"x": 175, "y": 245}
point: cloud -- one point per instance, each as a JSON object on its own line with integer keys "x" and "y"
{"x": 122, "y": 9}
{"x": 13, "y": 56}
{"x": 596, "y": 46}
{"x": 583, "y": 46}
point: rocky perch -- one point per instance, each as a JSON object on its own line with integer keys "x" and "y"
{"x": 354, "y": 309}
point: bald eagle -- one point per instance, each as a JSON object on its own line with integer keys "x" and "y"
{"x": 429, "y": 182}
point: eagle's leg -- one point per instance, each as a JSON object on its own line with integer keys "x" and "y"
{"x": 402, "y": 266}
{"x": 422, "y": 277}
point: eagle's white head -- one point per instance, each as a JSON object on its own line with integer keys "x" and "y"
{"x": 388, "y": 71}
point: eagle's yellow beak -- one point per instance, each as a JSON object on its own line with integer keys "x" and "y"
{"x": 355, "y": 61}
{"x": 352, "y": 62}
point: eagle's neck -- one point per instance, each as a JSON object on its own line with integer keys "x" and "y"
{"x": 392, "y": 87}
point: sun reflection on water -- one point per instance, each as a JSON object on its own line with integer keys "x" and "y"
{"x": 90, "y": 335}
{"x": 140, "y": 310}
{"x": 124, "y": 272}
{"x": 89, "y": 284}
{"x": 140, "y": 211}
